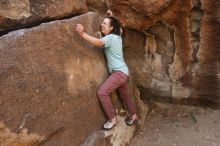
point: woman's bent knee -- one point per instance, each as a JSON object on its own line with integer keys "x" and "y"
{"x": 100, "y": 93}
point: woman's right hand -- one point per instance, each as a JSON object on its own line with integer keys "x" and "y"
{"x": 80, "y": 28}
{"x": 109, "y": 13}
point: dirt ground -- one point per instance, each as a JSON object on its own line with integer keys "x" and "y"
{"x": 178, "y": 125}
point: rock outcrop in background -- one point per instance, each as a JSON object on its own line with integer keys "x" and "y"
{"x": 49, "y": 75}
{"x": 181, "y": 49}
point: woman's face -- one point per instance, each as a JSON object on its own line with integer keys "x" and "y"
{"x": 105, "y": 26}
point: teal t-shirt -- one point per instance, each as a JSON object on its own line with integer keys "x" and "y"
{"x": 114, "y": 53}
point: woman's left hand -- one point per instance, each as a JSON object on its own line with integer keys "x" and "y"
{"x": 80, "y": 29}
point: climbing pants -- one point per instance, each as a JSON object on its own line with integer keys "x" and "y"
{"x": 116, "y": 81}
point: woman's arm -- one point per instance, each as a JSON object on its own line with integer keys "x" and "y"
{"x": 90, "y": 39}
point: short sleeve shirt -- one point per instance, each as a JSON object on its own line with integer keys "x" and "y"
{"x": 114, "y": 53}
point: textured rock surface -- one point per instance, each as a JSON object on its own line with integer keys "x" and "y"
{"x": 15, "y": 13}
{"x": 8, "y": 138}
{"x": 206, "y": 70}
{"x": 49, "y": 77}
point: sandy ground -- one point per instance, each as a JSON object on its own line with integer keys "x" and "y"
{"x": 178, "y": 125}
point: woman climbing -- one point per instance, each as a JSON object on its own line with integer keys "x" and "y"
{"x": 112, "y": 43}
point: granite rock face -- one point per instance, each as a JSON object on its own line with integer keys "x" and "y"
{"x": 49, "y": 77}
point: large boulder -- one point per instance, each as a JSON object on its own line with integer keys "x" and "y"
{"x": 49, "y": 77}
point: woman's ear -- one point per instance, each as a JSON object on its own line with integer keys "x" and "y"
{"x": 111, "y": 28}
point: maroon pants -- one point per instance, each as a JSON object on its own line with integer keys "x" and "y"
{"x": 117, "y": 80}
